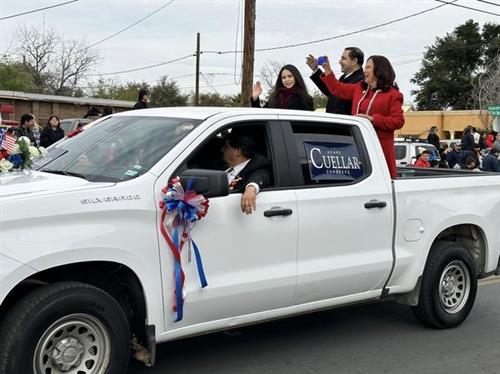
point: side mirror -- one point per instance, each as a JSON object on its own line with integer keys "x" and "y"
{"x": 209, "y": 183}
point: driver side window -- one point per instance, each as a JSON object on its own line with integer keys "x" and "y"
{"x": 209, "y": 155}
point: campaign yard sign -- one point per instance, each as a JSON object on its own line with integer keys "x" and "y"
{"x": 333, "y": 161}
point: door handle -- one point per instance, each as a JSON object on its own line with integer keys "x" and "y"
{"x": 375, "y": 204}
{"x": 277, "y": 212}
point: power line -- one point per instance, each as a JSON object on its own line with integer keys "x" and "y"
{"x": 142, "y": 68}
{"x": 213, "y": 85}
{"x": 292, "y": 45}
{"x": 488, "y": 2}
{"x": 130, "y": 26}
{"x": 467, "y": 7}
{"x": 206, "y": 74}
{"x": 213, "y": 74}
{"x": 340, "y": 35}
{"x": 38, "y": 10}
{"x": 182, "y": 76}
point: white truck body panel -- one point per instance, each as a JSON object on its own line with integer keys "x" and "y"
{"x": 331, "y": 251}
{"x": 429, "y": 206}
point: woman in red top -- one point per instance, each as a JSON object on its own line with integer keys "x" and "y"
{"x": 377, "y": 99}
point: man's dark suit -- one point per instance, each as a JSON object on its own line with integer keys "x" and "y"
{"x": 256, "y": 171}
{"x": 334, "y": 104}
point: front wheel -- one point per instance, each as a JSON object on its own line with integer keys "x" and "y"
{"x": 449, "y": 286}
{"x": 65, "y": 327}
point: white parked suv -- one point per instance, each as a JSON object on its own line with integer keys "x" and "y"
{"x": 87, "y": 275}
{"x": 407, "y": 150}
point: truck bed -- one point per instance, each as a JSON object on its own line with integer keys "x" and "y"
{"x": 414, "y": 172}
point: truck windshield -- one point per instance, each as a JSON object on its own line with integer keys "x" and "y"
{"x": 117, "y": 149}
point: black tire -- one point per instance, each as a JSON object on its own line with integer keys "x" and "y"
{"x": 85, "y": 323}
{"x": 449, "y": 286}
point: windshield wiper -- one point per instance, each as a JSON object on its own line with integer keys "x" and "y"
{"x": 68, "y": 173}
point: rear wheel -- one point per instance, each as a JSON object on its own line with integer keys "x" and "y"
{"x": 65, "y": 327}
{"x": 449, "y": 286}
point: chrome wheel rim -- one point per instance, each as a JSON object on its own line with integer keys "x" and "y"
{"x": 77, "y": 343}
{"x": 454, "y": 287}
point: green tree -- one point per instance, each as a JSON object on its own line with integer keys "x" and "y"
{"x": 110, "y": 89}
{"x": 166, "y": 92}
{"x": 214, "y": 99}
{"x": 451, "y": 65}
{"x": 16, "y": 77}
{"x": 491, "y": 38}
{"x": 319, "y": 100}
{"x": 234, "y": 100}
{"x": 217, "y": 99}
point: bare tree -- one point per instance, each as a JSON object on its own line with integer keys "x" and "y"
{"x": 37, "y": 48}
{"x": 73, "y": 60}
{"x": 57, "y": 65}
{"x": 269, "y": 72}
{"x": 487, "y": 88}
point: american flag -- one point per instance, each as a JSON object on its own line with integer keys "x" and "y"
{"x": 8, "y": 142}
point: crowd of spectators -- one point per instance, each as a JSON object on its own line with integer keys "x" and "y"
{"x": 476, "y": 150}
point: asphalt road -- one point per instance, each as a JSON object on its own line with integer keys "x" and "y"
{"x": 379, "y": 338}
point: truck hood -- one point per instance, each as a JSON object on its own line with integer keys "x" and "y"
{"x": 24, "y": 183}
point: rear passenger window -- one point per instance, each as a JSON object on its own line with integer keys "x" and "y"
{"x": 329, "y": 153}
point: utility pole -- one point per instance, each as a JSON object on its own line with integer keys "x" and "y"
{"x": 197, "y": 84}
{"x": 248, "y": 52}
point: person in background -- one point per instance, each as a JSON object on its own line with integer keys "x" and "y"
{"x": 470, "y": 164}
{"x": 496, "y": 143}
{"x": 26, "y": 124}
{"x": 455, "y": 155}
{"x": 482, "y": 139}
{"x": 93, "y": 113}
{"x": 443, "y": 163}
{"x": 52, "y": 132}
{"x": 489, "y": 139}
{"x": 142, "y": 100}
{"x": 476, "y": 135}
{"x": 491, "y": 161}
{"x": 423, "y": 160}
{"x": 289, "y": 91}
{"x": 376, "y": 98}
{"x": 476, "y": 153}
{"x": 107, "y": 111}
{"x": 444, "y": 148}
{"x": 36, "y": 133}
{"x": 433, "y": 137}
{"x": 351, "y": 65}
{"x": 467, "y": 142}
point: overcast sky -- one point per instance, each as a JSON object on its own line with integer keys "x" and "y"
{"x": 171, "y": 33}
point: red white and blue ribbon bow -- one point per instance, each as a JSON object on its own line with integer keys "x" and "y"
{"x": 180, "y": 209}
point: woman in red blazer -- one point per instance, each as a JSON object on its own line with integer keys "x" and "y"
{"x": 377, "y": 98}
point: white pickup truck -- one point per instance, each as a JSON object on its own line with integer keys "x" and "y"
{"x": 86, "y": 276}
